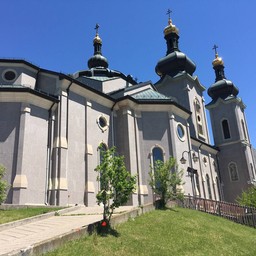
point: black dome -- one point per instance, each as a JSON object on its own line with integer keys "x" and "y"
{"x": 97, "y": 60}
{"x": 222, "y": 89}
{"x": 174, "y": 63}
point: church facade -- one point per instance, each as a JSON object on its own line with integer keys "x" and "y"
{"x": 53, "y": 124}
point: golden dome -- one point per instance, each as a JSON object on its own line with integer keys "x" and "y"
{"x": 171, "y": 28}
{"x": 217, "y": 61}
{"x": 97, "y": 39}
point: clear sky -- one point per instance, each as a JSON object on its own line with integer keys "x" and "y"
{"x": 57, "y": 35}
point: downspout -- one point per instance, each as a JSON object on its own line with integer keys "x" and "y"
{"x": 37, "y": 75}
{"x": 220, "y": 180}
{"x": 190, "y": 160}
{"x": 112, "y": 125}
{"x": 137, "y": 162}
{"x": 201, "y": 171}
{"x": 48, "y": 156}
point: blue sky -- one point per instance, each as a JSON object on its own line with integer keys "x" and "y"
{"x": 57, "y": 35}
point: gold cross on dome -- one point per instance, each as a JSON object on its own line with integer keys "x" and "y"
{"x": 215, "y": 49}
{"x": 169, "y": 13}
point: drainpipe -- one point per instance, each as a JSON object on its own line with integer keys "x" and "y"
{"x": 48, "y": 156}
{"x": 201, "y": 171}
{"x": 112, "y": 124}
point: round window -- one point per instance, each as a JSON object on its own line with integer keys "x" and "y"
{"x": 102, "y": 123}
{"x": 180, "y": 131}
{"x": 9, "y": 75}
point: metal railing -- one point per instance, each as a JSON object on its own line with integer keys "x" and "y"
{"x": 240, "y": 214}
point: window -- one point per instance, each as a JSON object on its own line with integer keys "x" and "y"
{"x": 180, "y": 132}
{"x": 233, "y": 172}
{"x": 157, "y": 153}
{"x": 9, "y": 75}
{"x": 225, "y": 129}
{"x": 199, "y": 120}
{"x": 102, "y": 149}
{"x": 102, "y": 123}
{"x": 208, "y": 186}
{"x": 218, "y": 187}
{"x": 253, "y": 175}
{"x": 243, "y": 127}
{"x": 198, "y": 192}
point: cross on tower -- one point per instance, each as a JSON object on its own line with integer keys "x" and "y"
{"x": 97, "y": 28}
{"x": 169, "y": 13}
{"x": 215, "y": 49}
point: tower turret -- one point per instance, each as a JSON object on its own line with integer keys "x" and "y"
{"x": 175, "y": 61}
{"x": 222, "y": 88}
{"x": 97, "y": 60}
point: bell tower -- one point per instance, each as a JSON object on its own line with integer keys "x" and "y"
{"x": 230, "y": 133}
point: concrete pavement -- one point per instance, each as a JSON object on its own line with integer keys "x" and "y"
{"x": 41, "y": 235}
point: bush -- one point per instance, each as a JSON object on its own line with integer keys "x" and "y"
{"x": 3, "y": 185}
{"x": 116, "y": 183}
{"x": 248, "y": 197}
{"x": 166, "y": 180}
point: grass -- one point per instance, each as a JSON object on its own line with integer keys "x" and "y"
{"x": 17, "y": 214}
{"x": 168, "y": 232}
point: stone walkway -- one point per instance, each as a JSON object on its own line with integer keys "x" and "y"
{"x": 18, "y": 239}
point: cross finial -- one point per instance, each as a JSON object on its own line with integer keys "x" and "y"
{"x": 169, "y": 13}
{"x": 97, "y": 28}
{"x": 215, "y": 49}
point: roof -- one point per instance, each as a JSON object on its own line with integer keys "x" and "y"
{"x": 149, "y": 94}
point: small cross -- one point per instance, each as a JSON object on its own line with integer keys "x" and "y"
{"x": 215, "y": 49}
{"x": 169, "y": 13}
{"x": 97, "y": 28}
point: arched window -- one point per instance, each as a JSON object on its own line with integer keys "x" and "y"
{"x": 102, "y": 149}
{"x": 225, "y": 129}
{"x": 218, "y": 187}
{"x": 199, "y": 120}
{"x": 157, "y": 154}
{"x": 253, "y": 175}
{"x": 244, "y": 131}
{"x": 208, "y": 186}
{"x": 198, "y": 192}
{"x": 233, "y": 172}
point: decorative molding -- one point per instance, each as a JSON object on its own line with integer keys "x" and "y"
{"x": 20, "y": 181}
{"x": 90, "y": 187}
{"x": 63, "y": 184}
{"x": 143, "y": 190}
{"x": 60, "y": 142}
{"x": 89, "y": 149}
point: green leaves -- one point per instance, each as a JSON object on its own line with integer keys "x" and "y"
{"x": 116, "y": 183}
{"x": 248, "y": 197}
{"x": 3, "y": 185}
{"x": 166, "y": 180}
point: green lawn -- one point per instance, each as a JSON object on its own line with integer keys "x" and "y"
{"x": 170, "y": 232}
{"x": 17, "y": 214}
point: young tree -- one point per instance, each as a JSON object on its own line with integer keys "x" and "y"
{"x": 116, "y": 183}
{"x": 166, "y": 180}
{"x": 3, "y": 185}
{"x": 248, "y": 197}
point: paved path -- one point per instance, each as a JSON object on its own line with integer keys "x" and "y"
{"x": 25, "y": 235}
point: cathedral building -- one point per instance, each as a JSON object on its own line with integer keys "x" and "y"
{"x": 54, "y": 126}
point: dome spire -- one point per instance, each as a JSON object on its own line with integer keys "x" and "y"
{"x": 97, "y": 60}
{"x": 222, "y": 88}
{"x": 218, "y": 65}
{"x": 175, "y": 61}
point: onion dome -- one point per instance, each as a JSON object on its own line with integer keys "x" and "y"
{"x": 170, "y": 28}
{"x": 222, "y": 88}
{"x": 97, "y": 60}
{"x": 175, "y": 61}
